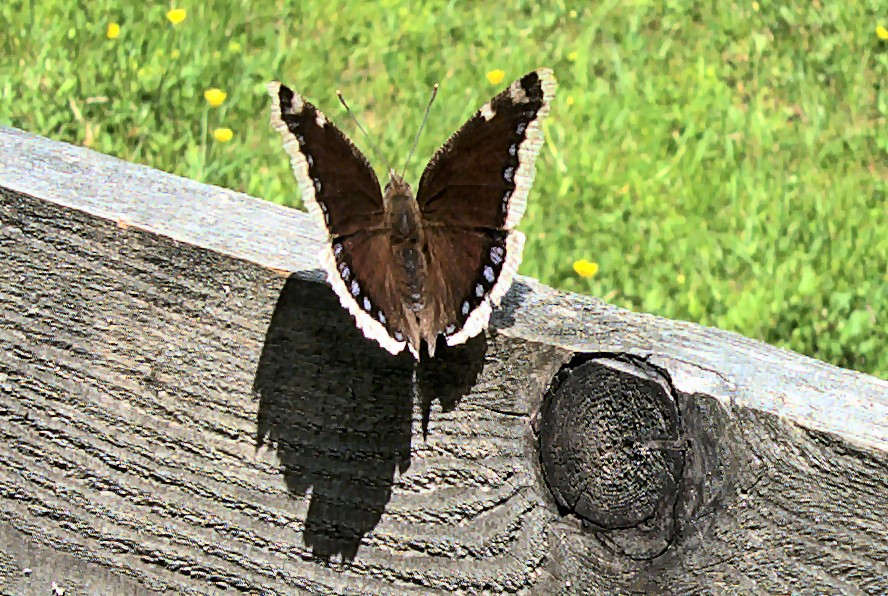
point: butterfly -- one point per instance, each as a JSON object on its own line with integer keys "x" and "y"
{"x": 412, "y": 267}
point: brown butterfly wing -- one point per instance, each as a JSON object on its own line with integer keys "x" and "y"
{"x": 469, "y": 271}
{"x": 341, "y": 191}
{"x": 471, "y": 196}
{"x": 339, "y": 187}
{"x": 367, "y": 287}
{"x": 481, "y": 176}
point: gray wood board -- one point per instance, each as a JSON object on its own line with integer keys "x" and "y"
{"x": 155, "y": 330}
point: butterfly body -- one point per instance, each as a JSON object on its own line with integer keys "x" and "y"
{"x": 412, "y": 267}
{"x": 409, "y": 253}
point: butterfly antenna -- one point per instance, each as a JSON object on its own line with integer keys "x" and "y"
{"x": 373, "y": 146}
{"x": 421, "y": 126}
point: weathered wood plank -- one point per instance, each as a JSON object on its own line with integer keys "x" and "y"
{"x": 153, "y": 328}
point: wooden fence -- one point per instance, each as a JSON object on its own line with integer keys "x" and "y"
{"x": 185, "y": 407}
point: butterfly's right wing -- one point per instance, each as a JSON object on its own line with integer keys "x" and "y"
{"x": 470, "y": 272}
{"x": 481, "y": 176}
{"x": 341, "y": 192}
{"x": 471, "y": 196}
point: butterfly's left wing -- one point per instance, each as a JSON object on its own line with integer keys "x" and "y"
{"x": 342, "y": 193}
{"x": 471, "y": 196}
{"x": 367, "y": 288}
{"x": 339, "y": 187}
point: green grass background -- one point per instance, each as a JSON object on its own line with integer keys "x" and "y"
{"x": 724, "y": 163}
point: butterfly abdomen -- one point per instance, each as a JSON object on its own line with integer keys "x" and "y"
{"x": 407, "y": 239}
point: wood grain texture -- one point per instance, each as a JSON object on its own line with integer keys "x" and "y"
{"x": 184, "y": 407}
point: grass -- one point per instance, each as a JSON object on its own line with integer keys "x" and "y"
{"x": 724, "y": 163}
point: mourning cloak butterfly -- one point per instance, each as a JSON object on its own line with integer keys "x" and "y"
{"x": 409, "y": 269}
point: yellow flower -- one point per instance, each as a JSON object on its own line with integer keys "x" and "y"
{"x": 113, "y": 31}
{"x": 176, "y": 15}
{"x": 570, "y": 100}
{"x": 223, "y": 135}
{"x": 882, "y": 33}
{"x": 175, "y": 54}
{"x": 496, "y": 76}
{"x": 585, "y": 268}
{"x": 573, "y": 14}
{"x": 215, "y": 97}
{"x": 234, "y": 46}
{"x": 573, "y": 56}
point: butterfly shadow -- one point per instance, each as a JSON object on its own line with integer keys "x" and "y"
{"x": 338, "y": 410}
{"x": 504, "y": 316}
{"x": 448, "y": 376}
{"x": 453, "y": 371}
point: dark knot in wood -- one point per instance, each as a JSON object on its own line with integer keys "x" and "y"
{"x": 611, "y": 451}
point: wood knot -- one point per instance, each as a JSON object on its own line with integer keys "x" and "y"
{"x": 612, "y": 453}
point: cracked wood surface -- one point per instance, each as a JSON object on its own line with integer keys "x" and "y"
{"x": 185, "y": 407}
